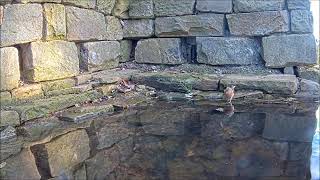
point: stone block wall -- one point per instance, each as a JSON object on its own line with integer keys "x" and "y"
{"x": 54, "y": 40}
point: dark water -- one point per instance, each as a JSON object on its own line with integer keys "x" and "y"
{"x": 176, "y": 141}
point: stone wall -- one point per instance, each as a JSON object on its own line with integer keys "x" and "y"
{"x": 54, "y": 41}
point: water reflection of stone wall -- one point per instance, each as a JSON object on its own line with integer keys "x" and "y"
{"x": 166, "y": 141}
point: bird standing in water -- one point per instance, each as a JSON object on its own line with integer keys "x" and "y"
{"x": 229, "y": 93}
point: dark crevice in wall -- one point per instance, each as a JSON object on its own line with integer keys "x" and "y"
{"x": 83, "y": 60}
{"x": 41, "y": 156}
{"x": 133, "y": 52}
{"x": 226, "y": 27}
{"x": 93, "y": 140}
{"x": 20, "y": 53}
{"x": 189, "y": 48}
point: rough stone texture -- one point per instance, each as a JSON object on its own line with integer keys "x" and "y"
{"x": 299, "y": 4}
{"x": 84, "y": 24}
{"x": 43, "y": 107}
{"x": 43, "y": 130}
{"x": 214, "y": 6}
{"x": 308, "y": 88}
{"x": 5, "y": 98}
{"x": 81, "y": 3}
{"x": 55, "y": 21}
{"x": 114, "y": 29}
{"x": 111, "y": 134}
{"x": 138, "y": 28}
{"x": 1, "y": 14}
{"x": 301, "y": 21}
{"x": 192, "y": 25}
{"x": 288, "y": 70}
{"x": 173, "y": 7}
{"x": 274, "y": 84}
{"x": 184, "y": 83}
{"x": 258, "y": 23}
{"x": 57, "y": 85}
{"x": 38, "y": 1}
{"x": 21, "y": 165}
{"x": 258, "y": 5}
{"x": 126, "y": 48}
{"x": 4, "y": 2}
{"x": 22, "y": 23}
{"x": 310, "y": 73}
{"x": 9, "y": 66}
{"x": 121, "y": 9}
{"x": 9, "y": 147}
{"x": 100, "y": 55}
{"x": 9, "y": 118}
{"x": 83, "y": 78}
{"x": 67, "y": 151}
{"x": 289, "y": 50}
{"x": 31, "y": 91}
{"x": 105, "y": 6}
{"x": 103, "y": 163}
{"x": 301, "y": 129}
{"x": 160, "y": 51}
{"x": 141, "y": 9}
{"x": 228, "y": 50}
{"x": 50, "y": 60}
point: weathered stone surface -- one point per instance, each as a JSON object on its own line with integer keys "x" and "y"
{"x": 301, "y": 21}
{"x": 288, "y": 70}
{"x": 113, "y": 76}
{"x": 286, "y": 50}
{"x": 290, "y": 127}
{"x": 22, "y": 165}
{"x": 5, "y": 97}
{"x": 83, "y": 113}
{"x": 9, "y": 147}
{"x": 192, "y": 25}
{"x": 105, "y": 6}
{"x": 9, "y": 118}
{"x": 160, "y": 51}
{"x": 114, "y": 29}
{"x": 103, "y": 163}
{"x": 4, "y": 2}
{"x": 1, "y": 14}
{"x": 121, "y": 9}
{"x": 258, "y": 23}
{"x": 308, "y": 88}
{"x": 107, "y": 89}
{"x": 100, "y": 55}
{"x": 126, "y": 47}
{"x": 173, "y": 7}
{"x": 57, "y": 85}
{"x": 214, "y": 6}
{"x": 237, "y": 126}
{"x": 10, "y": 72}
{"x": 55, "y": 21}
{"x": 258, "y": 5}
{"x": 50, "y": 60}
{"x": 84, "y": 24}
{"x": 72, "y": 90}
{"x": 39, "y": 1}
{"x": 141, "y": 9}
{"x": 22, "y": 23}
{"x": 73, "y": 149}
{"x": 83, "y": 78}
{"x": 310, "y": 73}
{"x": 41, "y": 108}
{"x": 138, "y": 28}
{"x": 43, "y": 130}
{"x": 274, "y": 84}
{"x": 185, "y": 82}
{"x": 228, "y": 50}
{"x": 81, "y": 3}
{"x": 30, "y": 91}
{"x": 111, "y": 134}
{"x": 299, "y": 4}
{"x": 8, "y": 133}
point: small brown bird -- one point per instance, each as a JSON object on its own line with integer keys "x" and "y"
{"x": 229, "y": 93}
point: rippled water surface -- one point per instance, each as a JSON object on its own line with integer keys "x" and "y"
{"x": 178, "y": 141}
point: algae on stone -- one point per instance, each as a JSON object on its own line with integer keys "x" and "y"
{"x": 55, "y": 21}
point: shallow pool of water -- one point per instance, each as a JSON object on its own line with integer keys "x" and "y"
{"x": 170, "y": 141}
